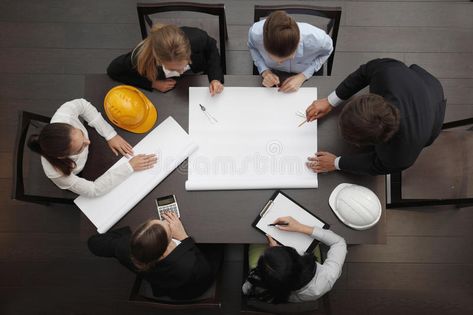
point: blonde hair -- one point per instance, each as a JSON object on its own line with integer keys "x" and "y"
{"x": 164, "y": 43}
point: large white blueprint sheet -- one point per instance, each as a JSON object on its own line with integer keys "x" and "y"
{"x": 256, "y": 142}
{"x": 172, "y": 145}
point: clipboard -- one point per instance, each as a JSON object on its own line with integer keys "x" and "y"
{"x": 279, "y": 205}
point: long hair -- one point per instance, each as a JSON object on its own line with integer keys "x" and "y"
{"x": 369, "y": 120}
{"x": 281, "y": 34}
{"x": 53, "y": 143}
{"x": 281, "y": 270}
{"x": 148, "y": 243}
{"x": 165, "y": 43}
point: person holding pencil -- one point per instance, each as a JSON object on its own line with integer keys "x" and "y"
{"x": 282, "y": 275}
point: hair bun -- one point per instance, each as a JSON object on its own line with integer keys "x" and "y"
{"x": 33, "y": 143}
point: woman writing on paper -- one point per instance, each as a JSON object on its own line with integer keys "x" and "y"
{"x": 164, "y": 255}
{"x": 63, "y": 145}
{"x": 282, "y": 275}
{"x": 168, "y": 52}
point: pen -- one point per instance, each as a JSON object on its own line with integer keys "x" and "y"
{"x": 282, "y": 224}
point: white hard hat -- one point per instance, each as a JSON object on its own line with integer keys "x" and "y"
{"x": 355, "y": 205}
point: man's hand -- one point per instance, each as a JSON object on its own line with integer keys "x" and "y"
{"x": 164, "y": 85}
{"x": 119, "y": 145}
{"x": 143, "y": 162}
{"x": 322, "y": 162}
{"x": 292, "y": 84}
{"x": 177, "y": 229}
{"x": 215, "y": 87}
{"x": 318, "y": 109}
{"x": 269, "y": 78}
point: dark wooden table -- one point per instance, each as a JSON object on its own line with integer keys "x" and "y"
{"x": 226, "y": 216}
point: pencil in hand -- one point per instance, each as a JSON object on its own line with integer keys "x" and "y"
{"x": 279, "y": 223}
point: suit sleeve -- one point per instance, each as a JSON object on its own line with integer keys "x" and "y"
{"x": 123, "y": 70}
{"x": 359, "y": 79}
{"x": 214, "y": 70}
{"x": 114, "y": 243}
{"x": 364, "y": 164}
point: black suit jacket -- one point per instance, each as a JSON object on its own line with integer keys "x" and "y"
{"x": 420, "y": 100}
{"x": 184, "y": 274}
{"x": 204, "y": 58}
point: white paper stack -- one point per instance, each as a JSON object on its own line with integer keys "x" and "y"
{"x": 255, "y": 142}
{"x": 172, "y": 145}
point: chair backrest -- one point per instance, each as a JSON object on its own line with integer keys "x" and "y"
{"x": 302, "y": 13}
{"x": 142, "y": 293}
{"x": 30, "y": 183}
{"x": 187, "y": 14}
{"x": 438, "y": 177}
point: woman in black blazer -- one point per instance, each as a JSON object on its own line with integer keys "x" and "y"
{"x": 163, "y": 254}
{"x": 168, "y": 52}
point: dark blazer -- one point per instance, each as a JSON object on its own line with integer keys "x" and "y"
{"x": 204, "y": 58}
{"x": 184, "y": 274}
{"x": 418, "y": 96}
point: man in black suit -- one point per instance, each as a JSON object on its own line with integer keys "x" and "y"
{"x": 402, "y": 114}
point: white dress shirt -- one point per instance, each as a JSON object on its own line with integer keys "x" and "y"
{"x": 69, "y": 113}
{"x": 315, "y": 46}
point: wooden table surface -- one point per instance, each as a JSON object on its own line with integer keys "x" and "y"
{"x": 226, "y": 216}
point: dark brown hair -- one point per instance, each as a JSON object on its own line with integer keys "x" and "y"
{"x": 369, "y": 120}
{"x": 54, "y": 143}
{"x": 280, "y": 34}
{"x": 148, "y": 243}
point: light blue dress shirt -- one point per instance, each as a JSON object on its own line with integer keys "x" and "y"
{"x": 315, "y": 46}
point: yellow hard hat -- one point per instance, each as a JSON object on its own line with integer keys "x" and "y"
{"x": 128, "y": 108}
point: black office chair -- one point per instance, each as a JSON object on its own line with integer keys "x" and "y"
{"x": 142, "y": 294}
{"x": 442, "y": 174}
{"x": 29, "y": 181}
{"x": 333, "y": 14}
{"x": 146, "y": 12}
{"x": 252, "y": 306}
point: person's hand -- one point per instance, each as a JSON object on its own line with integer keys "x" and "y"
{"x": 292, "y": 225}
{"x": 292, "y": 84}
{"x": 164, "y": 85}
{"x": 119, "y": 145}
{"x": 215, "y": 87}
{"x": 269, "y": 78}
{"x": 318, "y": 109}
{"x": 271, "y": 241}
{"x": 322, "y": 162}
{"x": 177, "y": 229}
{"x": 142, "y": 162}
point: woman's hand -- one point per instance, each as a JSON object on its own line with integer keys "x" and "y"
{"x": 142, "y": 162}
{"x": 215, "y": 87}
{"x": 119, "y": 145}
{"x": 292, "y": 225}
{"x": 164, "y": 85}
{"x": 271, "y": 241}
{"x": 177, "y": 229}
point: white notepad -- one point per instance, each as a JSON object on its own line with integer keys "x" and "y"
{"x": 172, "y": 145}
{"x": 280, "y": 205}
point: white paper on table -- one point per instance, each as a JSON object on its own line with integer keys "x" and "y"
{"x": 172, "y": 145}
{"x": 282, "y": 207}
{"x": 256, "y": 143}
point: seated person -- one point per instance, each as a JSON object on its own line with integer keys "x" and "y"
{"x": 167, "y": 52}
{"x": 63, "y": 146}
{"x": 279, "y": 43}
{"x": 282, "y": 275}
{"x": 402, "y": 114}
{"x": 162, "y": 253}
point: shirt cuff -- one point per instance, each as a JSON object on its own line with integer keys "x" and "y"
{"x": 337, "y": 163}
{"x": 334, "y": 100}
{"x": 308, "y": 73}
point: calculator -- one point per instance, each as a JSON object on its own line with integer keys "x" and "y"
{"x": 167, "y": 204}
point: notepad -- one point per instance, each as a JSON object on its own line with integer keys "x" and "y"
{"x": 171, "y": 143}
{"x": 281, "y": 205}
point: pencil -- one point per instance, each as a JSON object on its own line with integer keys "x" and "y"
{"x": 302, "y": 123}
